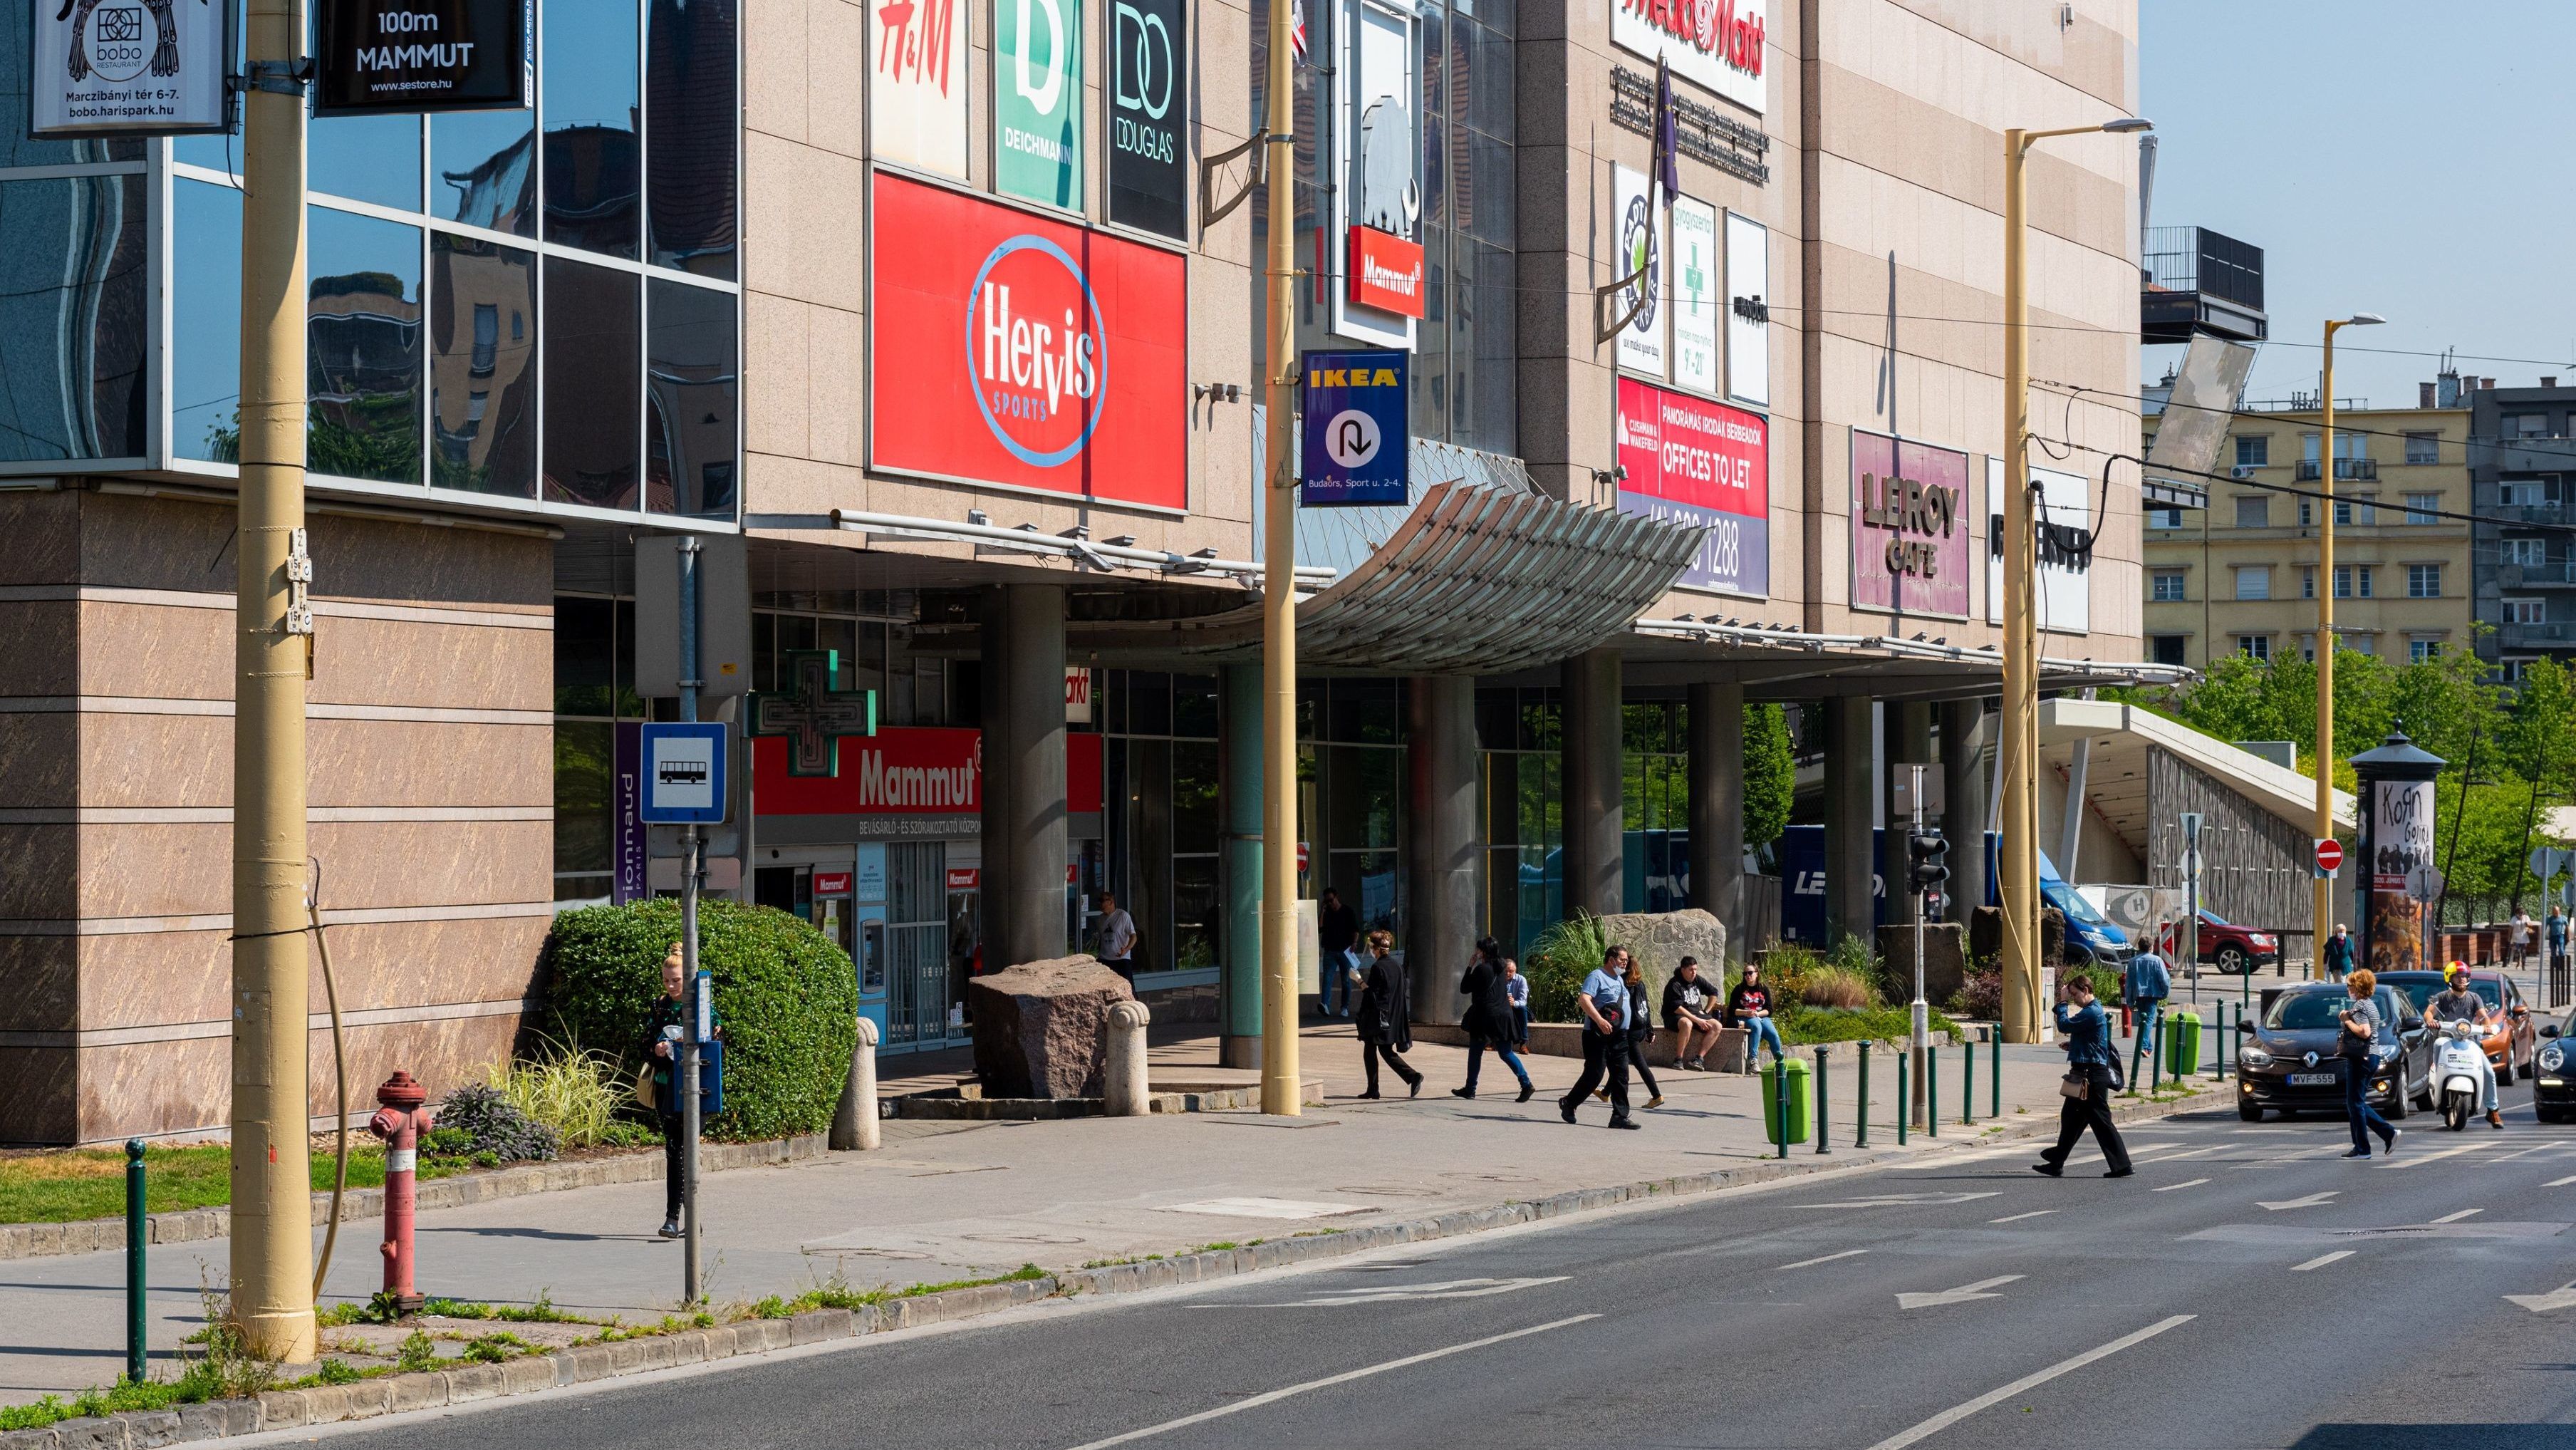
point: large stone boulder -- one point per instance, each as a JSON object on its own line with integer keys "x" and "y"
{"x": 1042, "y": 1028}
{"x": 1660, "y": 939}
{"x": 1945, "y": 960}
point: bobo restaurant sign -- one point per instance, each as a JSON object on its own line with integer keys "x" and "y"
{"x": 133, "y": 67}
{"x": 1909, "y": 526}
{"x": 403, "y": 57}
{"x": 1715, "y": 43}
{"x": 1019, "y": 351}
{"x": 1696, "y": 462}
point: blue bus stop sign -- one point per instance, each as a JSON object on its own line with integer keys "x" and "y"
{"x": 684, "y": 774}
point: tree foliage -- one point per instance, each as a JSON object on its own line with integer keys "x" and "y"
{"x": 1770, "y": 774}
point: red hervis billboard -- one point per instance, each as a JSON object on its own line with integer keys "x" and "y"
{"x": 1010, "y": 349}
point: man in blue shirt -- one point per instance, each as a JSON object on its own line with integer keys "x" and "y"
{"x": 1606, "y": 1017}
{"x": 2146, "y": 985}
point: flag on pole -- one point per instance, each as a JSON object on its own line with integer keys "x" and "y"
{"x": 1297, "y": 29}
{"x": 1667, "y": 170}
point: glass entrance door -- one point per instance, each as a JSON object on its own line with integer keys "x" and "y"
{"x": 917, "y": 942}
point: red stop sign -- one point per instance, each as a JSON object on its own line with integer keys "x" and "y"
{"x": 2329, "y": 854}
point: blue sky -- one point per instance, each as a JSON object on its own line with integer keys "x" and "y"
{"x": 2411, "y": 160}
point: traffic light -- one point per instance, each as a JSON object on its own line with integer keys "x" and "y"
{"x": 1926, "y": 869}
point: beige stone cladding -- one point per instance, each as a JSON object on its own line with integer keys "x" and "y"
{"x": 429, "y": 749}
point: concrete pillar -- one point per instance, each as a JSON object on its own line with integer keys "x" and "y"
{"x": 1239, "y": 865}
{"x": 1849, "y": 862}
{"x": 1963, "y": 821}
{"x": 855, "y": 1122}
{"x": 1717, "y": 806}
{"x": 1594, "y": 737}
{"x": 1127, "y": 1080}
{"x": 1026, "y": 836}
{"x": 1443, "y": 843}
{"x": 1908, "y": 737}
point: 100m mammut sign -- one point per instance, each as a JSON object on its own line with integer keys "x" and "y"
{"x": 400, "y": 57}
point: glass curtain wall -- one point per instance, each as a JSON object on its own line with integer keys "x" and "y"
{"x": 594, "y": 697}
{"x": 539, "y": 304}
{"x": 1654, "y": 796}
{"x": 1521, "y": 736}
{"x": 1160, "y": 797}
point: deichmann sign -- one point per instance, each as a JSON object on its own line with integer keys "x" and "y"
{"x": 1148, "y": 176}
{"x": 1358, "y": 449}
{"x": 1697, "y": 462}
{"x": 1010, "y": 349}
{"x": 1717, "y": 43}
{"x": 126, "y": 67}
{"x": 1037, "y": 100}
{"x": 917, "y": 100}
{"x": 1909, "y": 526}
{"x": 403, "y": 57}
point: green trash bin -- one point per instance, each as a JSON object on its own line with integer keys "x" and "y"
{"x": 2182, "y": 1044}
{"x": 1802, "y": 1103}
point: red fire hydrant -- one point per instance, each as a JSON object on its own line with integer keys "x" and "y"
{"x": 400, "y": 1122}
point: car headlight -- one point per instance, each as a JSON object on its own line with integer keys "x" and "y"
{"x": 2254, "y": 1056}
{"x": 2553, "y": 1057}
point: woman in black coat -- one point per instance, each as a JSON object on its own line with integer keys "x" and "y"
{"x": 1489, "y": 1017}
{"x": 1386, "y": 1015}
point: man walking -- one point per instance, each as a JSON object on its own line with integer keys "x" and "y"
{"x": 2336, "y": 955}
{"x": 1605, "y": 1007}
{"x": 2520, "y": 937}
{"x": 2555, "y": 932}
{"x": 2146, "y": 985}
{"x": 1337, "y": 930}
{"x": 1117, "y": 938}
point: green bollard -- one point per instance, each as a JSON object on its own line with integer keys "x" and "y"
{"x": 1968, "y": 1084}
{"x": 135, "y": 1337}
{"x": 2218, "y": 1056}
{"x": 1931, "y": 1089}
{"x": 1860, "y": 1139}
{"x": 2156, "y": 1059}
{"x": 1995, "y": 1073}
{"x": 1904, "y": 1102}
{"x": 1780, "y": 1101}
{"x": 1824, "y": 1119}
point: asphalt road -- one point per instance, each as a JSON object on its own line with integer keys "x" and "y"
{"x": 2248, "y": 1288}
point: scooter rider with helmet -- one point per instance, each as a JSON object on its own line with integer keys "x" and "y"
{"x": 2459, "y": 1004}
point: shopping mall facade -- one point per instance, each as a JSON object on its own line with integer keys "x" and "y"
{"x": 945, "y": 316}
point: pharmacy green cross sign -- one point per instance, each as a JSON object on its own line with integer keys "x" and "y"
{"x": 811, "y": 714}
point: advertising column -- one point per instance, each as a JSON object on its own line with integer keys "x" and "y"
{"x": 2395, "y": 865}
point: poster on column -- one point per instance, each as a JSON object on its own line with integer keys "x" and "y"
{"x": 917, "y": 95}
{"x": 2065, "y": 597}
{"x": 1037, "y": 100}
{"x": 1909, "y": 526}
{"x": 1748, "y": 310}
{"x": 1636, "y": 229}
{"x": 1148, "y": 179}
{"x": 2400, "y": 844}
{"x": 1692, "y": 461}
{"x": 1697, "y": 294}
{"x": 126, "y": 67}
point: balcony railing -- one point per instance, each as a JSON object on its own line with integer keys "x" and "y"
{"x": 2526, "y": 576}
{"x": 2553, "y": 631}
{"x": 2522, "y": 513}
{"x": 2309, "y": 470}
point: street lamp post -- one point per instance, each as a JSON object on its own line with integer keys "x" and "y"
{"x": 1280, "y": 1090}
{"x": 2321, "y": 908}
{"x": 2018, "y": 751}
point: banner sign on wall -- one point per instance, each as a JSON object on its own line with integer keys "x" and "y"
{"x": 1716, "y": 43}
{"x": 1748, "y": 310}
{"x": 1037, "y": 100}
{"x": 1909, "y": 526}
{"x": 1377, "y": 143}
{"x": 127, "y": 67}
{"x": 1692, "y": 461}
{"x": 403, "y": 57}
{"x": 1386, "y": 272}
{"x": 1636, "y": 230}
{"x": 1009, "y": 349}
{"x": 1148, "y": 160}
{"x": 1358, "y": 443}
{"x": 917, "y": 100}
{"x": 1698, "y": 294}
{"x": 2065, "y": 598}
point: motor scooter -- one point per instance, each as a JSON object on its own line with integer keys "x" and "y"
{"x": 2459, "y": 1070}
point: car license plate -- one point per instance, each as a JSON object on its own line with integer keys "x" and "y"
{"x": 2315, "y": 1079}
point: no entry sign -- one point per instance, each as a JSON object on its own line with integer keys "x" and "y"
{"x": 2329, "y": 856}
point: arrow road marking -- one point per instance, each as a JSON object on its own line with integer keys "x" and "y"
{"x": 2311, "y": 1201}
{"x": 2456, "y": 1217}
{"x": 1827, "y": 1259}
{"x": 2560, "y": 1298}
{"x": 2321, "y": 1260}
{"x": 2018, "y": 1217}
{"x": 1960, "y": 1295}
{"x": 1991, "y": 1398}
{"x": 1894, "y": 1200}
{"x": 2186, "y": 1183}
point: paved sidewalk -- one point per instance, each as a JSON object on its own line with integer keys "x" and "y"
{"x": 945, "y": 1201}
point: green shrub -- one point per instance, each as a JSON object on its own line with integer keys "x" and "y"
{"x": 418, "y": 1352}
{"x": 492, "y": 1127}
{"x": 1980, "y": 998}
{"x": 787, "y": 995}
{"x": 575, "y": 1092}
{"x": 1559, "y": 960}
{"x": 1800, "y": 1023}
{"x": 1835, "y": 987}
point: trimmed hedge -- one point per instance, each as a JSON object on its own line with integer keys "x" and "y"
{"x": 787, "y": 995}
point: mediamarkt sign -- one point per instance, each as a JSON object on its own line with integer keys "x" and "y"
{"x": 1716, "y": 43}
{"x": 1012, "y": 349}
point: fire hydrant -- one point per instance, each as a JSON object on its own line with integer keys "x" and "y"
{"x": 401, "y": 1122}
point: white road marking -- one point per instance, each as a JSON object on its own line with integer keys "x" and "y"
{"x": 1271, "y": 1397}
{"x": 1991, "y": 1398}
{"x": 2413, "y": 1160}
{"x": 2560, "y": 1182}
{"x": 2311, "y": 1201}
{"x": 2456, "y": 1217}
{"x": 1827, "y": 1259}
{"x": 2525, "y": 1153}
{"x": 1960, "y": 1295}
{"x": 1396, "y": 1293}
{"x": 2195, "y": 1153}
{"x": 2321, "y": 1260}
{"x": 2186, "y": 1183}
{"x": 2018, "y": 1217}
{"x": 2559, "y": 1298}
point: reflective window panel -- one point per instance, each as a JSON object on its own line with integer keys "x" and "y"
{"x": 694, "y": 385}
{"x": 365, "y": 158}
{"x": 482, "y": 368}
{"x": 205, "y": 321}
{"x": 72, "y": 302}
{"x": 483, "y": 170}
{"x": 362, "y": 346}
{"x": 689, "y": 110}
{"x": 589, "y": 102}
{"x": 593, "y": 413}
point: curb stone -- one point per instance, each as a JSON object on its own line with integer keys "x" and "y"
{"x": 465, "y": 1384}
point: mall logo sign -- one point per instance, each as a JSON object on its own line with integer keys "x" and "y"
{"x": 1039, "y": 350}
{"x": 1714, "y": 43}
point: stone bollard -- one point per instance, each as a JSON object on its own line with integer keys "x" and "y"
{"x": 855, "y": 1125}
{"x": 1125, "y": 1086}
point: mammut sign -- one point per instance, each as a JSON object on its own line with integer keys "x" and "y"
{"x": 399, "y": 57}
{"x": 1715, "y": 43}
{"x": 1909, "y": 534}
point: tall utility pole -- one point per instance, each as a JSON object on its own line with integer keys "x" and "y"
{"x": 2322, "y": 900}
{"x": 2017, "y": 754}
{"x": 1279, "y": 1088}
{"x": 272, "y": 1216}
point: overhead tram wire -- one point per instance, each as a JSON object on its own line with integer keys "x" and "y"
{"x": 2081, "y": 391}
{"x": 2438, "y": 513}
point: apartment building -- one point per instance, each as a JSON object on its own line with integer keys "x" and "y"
{"x": 2522, "y": 457}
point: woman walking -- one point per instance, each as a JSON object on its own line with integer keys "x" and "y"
{"x": 1386, "y": 1015}
{"x": 661, "y": 1050}
{"x": 1489, "y": 1018}
{"x": 1641, "y": 1027}
{"x": 2361, "y": 1028}
{"x": 2092, "y": 1075}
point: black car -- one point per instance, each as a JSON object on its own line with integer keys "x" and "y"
{"x": 2286, "y": 1061}
{"x": 2553, "y": 1080}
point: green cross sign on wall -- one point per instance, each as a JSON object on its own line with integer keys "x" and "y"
{"x": 811, "y": 714}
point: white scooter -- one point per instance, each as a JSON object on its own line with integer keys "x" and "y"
{"x": 2459, "y": 1070}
